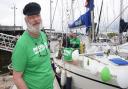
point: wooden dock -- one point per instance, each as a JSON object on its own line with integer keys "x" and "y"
{"x": 6, "y": 82}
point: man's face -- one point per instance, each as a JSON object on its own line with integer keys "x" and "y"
{"x": 34, "y": 23}
{"x": 73, "y": 35}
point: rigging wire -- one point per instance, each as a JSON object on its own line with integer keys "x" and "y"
{"x": 107, "y": 20}
{"x": 97, "y": 27}
{"x": 67, "y": 14}
{"x": 103, "y": 13}
{"x": 117, "y": 17}
{"x": 54, "y": 12}
{"x": 79, "y": 9}
{"x": 114, "y": 13}
{"x": 78, "y": 6}
{"x": 62, "y": 16}
{"x": 113, "y": 8}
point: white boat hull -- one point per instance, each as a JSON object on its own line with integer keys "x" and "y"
{"x": 84, "y": 79}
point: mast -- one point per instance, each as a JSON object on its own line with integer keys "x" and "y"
{"x": 92, "y": 29}
{"x": 72, "y": 2}
{"x": 14, "y": 12}
{"x": 50, "y": 15}
{"x": 93, "y": 25}
{"x": 97, "y": 26}
{"x": 120, "y": 34}
{"x": 62, "y": 16}
{"x": 50, "y": 19}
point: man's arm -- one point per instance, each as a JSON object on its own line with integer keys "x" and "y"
{"x": 17, "y": 76}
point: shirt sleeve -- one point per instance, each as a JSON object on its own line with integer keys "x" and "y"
{"x": 19, "y": 58}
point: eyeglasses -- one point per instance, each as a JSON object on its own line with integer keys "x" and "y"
{"x": 44, "y": 52}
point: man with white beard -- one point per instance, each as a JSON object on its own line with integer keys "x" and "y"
{"x": 31, "y": 56}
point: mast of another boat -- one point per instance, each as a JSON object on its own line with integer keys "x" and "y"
{"x": 93, "y": 26}
{"x": 91, "y": 31}
{"x": 120, "y": 34}
{"x": 96, "y": 30}
{"x": 91, "y": 35}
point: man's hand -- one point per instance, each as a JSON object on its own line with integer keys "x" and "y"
{"x": 17, "y": 76}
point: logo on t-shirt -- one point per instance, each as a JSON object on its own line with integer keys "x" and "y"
{"x": 40, "y": 48}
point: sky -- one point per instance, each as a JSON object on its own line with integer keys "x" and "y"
{"x": 7, "y": 13}
{"x": 7, "y": 9}
{"x": 111, "y": 10}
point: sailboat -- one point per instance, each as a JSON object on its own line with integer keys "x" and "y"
{"x": 94, "y": 69}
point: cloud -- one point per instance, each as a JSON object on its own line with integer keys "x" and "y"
{"x": 7, "y": 15}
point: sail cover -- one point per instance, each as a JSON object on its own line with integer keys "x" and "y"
{"x": 84, "y": 19}
{"x": 123, "y": 26}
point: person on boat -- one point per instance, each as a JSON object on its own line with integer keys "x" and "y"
{"x": 71, "y": 44}
{"x": 31, "y": 56}
{"x": 71, "y": 41}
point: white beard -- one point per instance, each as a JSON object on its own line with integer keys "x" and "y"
{"x": 34, "y": 29}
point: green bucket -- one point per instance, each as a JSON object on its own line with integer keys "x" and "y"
{"x": 67, "y": 53}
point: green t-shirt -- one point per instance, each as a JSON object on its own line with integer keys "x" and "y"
{"x": 32, "y": 57}
{"x": 74, "y": 42}
{"x": 67, "y": 52}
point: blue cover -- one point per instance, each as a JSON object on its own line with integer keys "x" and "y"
{"x": 119, "y": 61}
{"x": 85, "y": 19}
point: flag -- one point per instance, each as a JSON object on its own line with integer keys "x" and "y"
{"x": 84, "y": 19}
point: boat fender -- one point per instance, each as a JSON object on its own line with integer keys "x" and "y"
{"x": 58, "y": 71}
{"x": 75, "y": 55}
{"x": 105, "y": 74}
{"x": 68, "y": 74}
{"x": 63, "y": 78}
